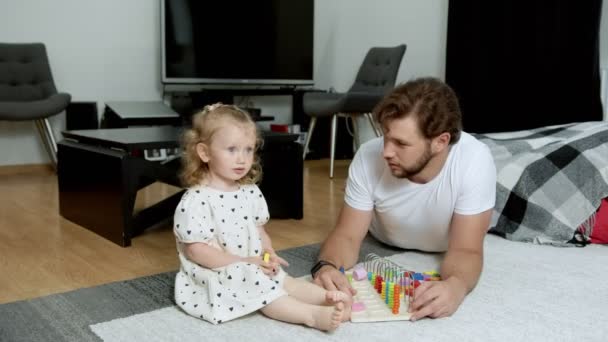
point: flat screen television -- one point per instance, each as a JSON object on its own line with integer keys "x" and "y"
{"x": 262, "y": 42}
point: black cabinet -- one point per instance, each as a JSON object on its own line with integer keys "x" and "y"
{"x": 282, "y": 178}
{"x": 100, "y": 172}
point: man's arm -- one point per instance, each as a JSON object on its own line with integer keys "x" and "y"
{"x": 464, "y": 258}
{"x": 460, "y": 269}
{"x": 341, "y": 247}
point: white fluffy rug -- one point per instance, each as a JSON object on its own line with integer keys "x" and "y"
{"x": 526, "y": 292}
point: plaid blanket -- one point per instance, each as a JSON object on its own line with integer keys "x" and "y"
{"x": 550, "y": 182}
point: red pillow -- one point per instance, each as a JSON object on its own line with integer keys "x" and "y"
{"x": 599, "y": 234}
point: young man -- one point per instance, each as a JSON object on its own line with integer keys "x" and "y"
{"x": 424, "y": 185}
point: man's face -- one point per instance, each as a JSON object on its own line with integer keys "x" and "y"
{"x": 406, "y": 151}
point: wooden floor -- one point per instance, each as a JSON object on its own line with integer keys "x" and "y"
{"x": 42, "y": 253}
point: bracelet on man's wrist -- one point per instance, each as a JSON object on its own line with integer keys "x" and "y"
{"x": 318, "y": 266}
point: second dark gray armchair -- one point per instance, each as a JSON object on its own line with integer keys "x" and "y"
{"x": 376, "y": 76}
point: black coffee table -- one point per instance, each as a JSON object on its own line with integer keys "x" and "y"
{"x": 100, "y": 171}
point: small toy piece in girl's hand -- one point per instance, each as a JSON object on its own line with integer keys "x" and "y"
{"x": 266, "y": 256}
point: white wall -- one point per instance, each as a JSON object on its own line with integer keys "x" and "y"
{"x": 604, "y": 36}
{"x": 604, "y": 56}
{"x": 109, "y": 50}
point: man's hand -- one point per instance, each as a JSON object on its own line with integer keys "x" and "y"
{"x": 460, "y": 268}
{"x": 437, "y": 299}
{"x": 331, "y": 279}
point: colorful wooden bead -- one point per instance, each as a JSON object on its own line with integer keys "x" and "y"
{"x": 359, "y": 274}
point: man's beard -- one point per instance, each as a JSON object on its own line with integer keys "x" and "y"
{"x": 418, "y": 166}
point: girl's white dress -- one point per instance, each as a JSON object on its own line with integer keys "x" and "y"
{"x": 228, "y": 221}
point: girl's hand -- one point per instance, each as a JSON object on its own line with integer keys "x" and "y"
{"x": 267, "y": 267}
{"x": 277, "y": 259}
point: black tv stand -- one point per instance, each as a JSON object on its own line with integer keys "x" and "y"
{"x": 189, "y": 100}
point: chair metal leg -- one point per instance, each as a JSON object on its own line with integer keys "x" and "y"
{"x": 48, "y": 139}
{"x": 51, "y": 136}
{"x": 334, "y": 124}
{"x": 41, "y": 132}
{"x": 356, "y": 140}
{"x": 375, "y": 127}
{"x": 311, "y": 127}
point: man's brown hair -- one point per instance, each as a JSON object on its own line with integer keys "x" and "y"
{"x": 433, "y": 103}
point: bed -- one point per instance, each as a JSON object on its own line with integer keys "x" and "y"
{"x": 550, "y": 182}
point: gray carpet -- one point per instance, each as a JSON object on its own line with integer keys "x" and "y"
{"x": 67, "y": 316}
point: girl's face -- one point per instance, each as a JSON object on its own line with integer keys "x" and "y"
{"x": 229, "y": 155}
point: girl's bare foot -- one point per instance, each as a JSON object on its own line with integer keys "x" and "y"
{"x": 333, "y": 297}
{"x": 328, "y": 318}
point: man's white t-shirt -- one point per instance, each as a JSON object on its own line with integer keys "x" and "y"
{"x": 417, "y": 216}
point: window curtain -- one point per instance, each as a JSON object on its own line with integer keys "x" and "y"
{"x": 524, "y": 64}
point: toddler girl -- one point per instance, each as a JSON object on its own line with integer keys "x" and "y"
{"x": 220, "y": 236}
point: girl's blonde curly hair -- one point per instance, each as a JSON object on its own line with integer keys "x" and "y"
{"x": 204, "y": 125}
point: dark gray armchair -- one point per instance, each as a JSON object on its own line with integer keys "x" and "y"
{"x": 376, "y": 76}
{"x": 27, "y": 90}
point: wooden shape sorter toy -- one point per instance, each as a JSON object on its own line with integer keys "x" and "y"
{"x": 384, "y": 290}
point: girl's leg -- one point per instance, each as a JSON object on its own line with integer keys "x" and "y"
{"x": 289, "y": 309}
{"x": 312, "y": 293}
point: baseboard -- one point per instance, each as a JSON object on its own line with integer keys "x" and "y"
{"x": 25, "y": 168}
